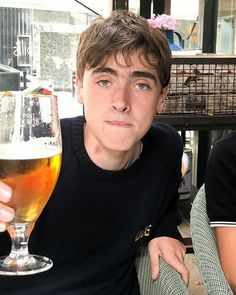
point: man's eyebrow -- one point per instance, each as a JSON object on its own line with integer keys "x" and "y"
{"x": 144, "y": 74}
{"x": 105, "y": 70}
{"x": 135, "y": 74}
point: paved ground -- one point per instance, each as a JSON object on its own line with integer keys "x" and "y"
{"x": 196, "y": 286}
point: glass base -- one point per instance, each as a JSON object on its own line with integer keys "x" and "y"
{"x": 33, "y": 265}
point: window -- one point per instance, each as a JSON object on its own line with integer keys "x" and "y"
{"x": 226, "y": 32}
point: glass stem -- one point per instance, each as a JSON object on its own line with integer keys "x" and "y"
{"x": 19, "y": 233}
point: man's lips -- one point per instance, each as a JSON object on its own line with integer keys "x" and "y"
{"x": 119, "y": 123}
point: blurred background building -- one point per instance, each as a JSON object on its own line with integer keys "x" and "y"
{"x": 39, "y": 38}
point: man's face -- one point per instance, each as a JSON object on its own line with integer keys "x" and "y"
{"x": 120, "y": 101}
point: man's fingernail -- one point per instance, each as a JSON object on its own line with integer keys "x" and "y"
{"x": 7, "y": 215}
{"x": 154, "y": 277}
{"x": 6, "y": 192}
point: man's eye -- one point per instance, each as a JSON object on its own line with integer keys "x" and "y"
{"x": 103, "y": 83}
{"x": 143, "y": 86}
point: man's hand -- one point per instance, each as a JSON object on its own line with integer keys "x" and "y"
{"x": 6, "y": 213}
{"x": 172, "y": 251}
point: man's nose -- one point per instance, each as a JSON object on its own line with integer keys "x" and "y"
{"x": 121, "y": 101}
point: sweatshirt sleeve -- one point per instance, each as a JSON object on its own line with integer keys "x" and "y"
{"x": 167, "y": 225}
{"x": 167, "y": 220}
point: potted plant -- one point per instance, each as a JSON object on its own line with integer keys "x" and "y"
{"x": 167, "y": 24}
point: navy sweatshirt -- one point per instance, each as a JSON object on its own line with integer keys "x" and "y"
{"x": 96, "y": 219}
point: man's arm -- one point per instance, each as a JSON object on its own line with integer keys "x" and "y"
{"x": 226, "y": 241}
{"x": 221, "y": 202}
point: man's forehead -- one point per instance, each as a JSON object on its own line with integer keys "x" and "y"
{"x": 127, "y": 60}
{"x": 126, "y": 65}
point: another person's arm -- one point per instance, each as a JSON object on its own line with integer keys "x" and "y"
{"x": 226, "y": 242}
{"x": 221, "y": 202}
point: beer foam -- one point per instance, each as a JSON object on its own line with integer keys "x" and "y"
{"x": 28, "y": 150}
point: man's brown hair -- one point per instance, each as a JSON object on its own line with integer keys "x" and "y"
{"x": 126, "y": 33}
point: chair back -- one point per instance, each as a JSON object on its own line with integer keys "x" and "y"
{"x": 205, "y": 248}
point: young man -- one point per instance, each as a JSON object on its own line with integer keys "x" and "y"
{"x": 118, "y": 184}
{"x": 221, "y": 202}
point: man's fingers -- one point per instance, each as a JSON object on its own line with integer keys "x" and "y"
{"x": 172, "y": 251}
{"x": 184, "y": 272}
{"x": 155, "y": 266}
{"x": 185, "y": 277}
{"x": 6, "y": 213}
{"x": 6, "y": 192}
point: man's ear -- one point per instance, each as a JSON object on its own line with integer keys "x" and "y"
{"x": 161, "y": 99}
{"x": 79, "y": 87}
